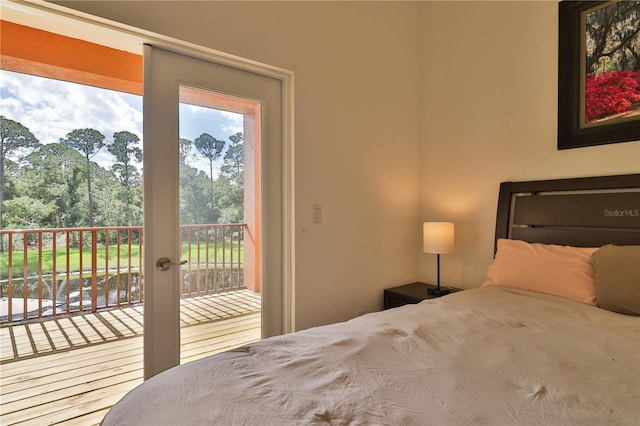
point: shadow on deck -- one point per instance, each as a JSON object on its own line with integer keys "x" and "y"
{"x": 72, "y": 370}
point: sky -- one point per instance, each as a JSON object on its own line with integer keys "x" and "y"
{"x": 50, "y": 109}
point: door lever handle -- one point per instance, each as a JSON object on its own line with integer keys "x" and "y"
{"x": 164, "y": 263}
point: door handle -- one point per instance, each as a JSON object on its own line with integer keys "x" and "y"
{"x": 164, "y": 263}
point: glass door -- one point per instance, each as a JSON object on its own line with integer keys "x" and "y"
{"x": 207, "y": 130}
{"x": 220, "y": 288}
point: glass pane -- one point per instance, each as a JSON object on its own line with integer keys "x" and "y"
{"x": 220, "y": 309}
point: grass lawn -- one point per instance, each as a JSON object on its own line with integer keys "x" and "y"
{"x": 74, "y": 258}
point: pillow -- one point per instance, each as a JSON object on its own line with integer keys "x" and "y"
{"x": 546, "y": 268}
{"x": 616, "y": 270}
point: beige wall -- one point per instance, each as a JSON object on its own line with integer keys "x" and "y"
{"x": 405, "y": 112}
{"x": 489, "y": 81}
{"x": 356, "y": 133}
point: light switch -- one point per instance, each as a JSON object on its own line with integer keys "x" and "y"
{"x": 317, "y": 214}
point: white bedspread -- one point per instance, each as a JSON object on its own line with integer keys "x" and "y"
{"x": 488, "y": 356}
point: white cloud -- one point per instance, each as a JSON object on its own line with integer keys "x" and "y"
{"x": 50, "y": 109}
{"x": 234, "y": 122}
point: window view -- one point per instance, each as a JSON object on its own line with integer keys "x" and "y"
{"x": 72, "y": 177}
{"x": 71, "y": 160}
{"x": 217, "y": 219}
{"x": 211, "y": 198}
{"x": 71, "y": 244}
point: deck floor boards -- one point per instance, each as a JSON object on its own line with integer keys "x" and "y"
{"x": 70, "y": 371}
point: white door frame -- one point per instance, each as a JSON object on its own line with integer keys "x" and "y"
{"x": 73, "y": 23}
{"x": 165, "y": 72}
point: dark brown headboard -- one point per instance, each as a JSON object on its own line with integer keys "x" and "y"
{"x": 581, "y": 212}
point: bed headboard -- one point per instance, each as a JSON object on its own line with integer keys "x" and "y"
{"x": 581, "y": 212}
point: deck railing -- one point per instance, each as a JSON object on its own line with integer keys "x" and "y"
{"x": 51, "y": 272}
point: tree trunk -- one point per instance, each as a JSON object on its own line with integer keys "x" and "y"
{"x": 89, "y": 193}
{"x": 211, "y": 178}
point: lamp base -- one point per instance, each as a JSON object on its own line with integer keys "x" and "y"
{"x": 438, "y": 292}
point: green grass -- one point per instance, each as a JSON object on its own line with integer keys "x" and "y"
{"x": 74, "y": 258}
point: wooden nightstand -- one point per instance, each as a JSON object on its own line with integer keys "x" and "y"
{"x": 410, "y": 293}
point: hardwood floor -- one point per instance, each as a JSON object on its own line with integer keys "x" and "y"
{"x": 71, "y": 371}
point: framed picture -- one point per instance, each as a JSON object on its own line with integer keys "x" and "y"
{"x": 598, "y": 73}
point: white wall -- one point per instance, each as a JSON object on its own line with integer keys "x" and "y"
{"x": 489, "y": 73}
{"x": 356, "y": 110}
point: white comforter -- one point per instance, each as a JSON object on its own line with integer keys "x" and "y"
{"x": 489, "y": 356}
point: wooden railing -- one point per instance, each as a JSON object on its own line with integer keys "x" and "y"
{"x": 51, "y": 272}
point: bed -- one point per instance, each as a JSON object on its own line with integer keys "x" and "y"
{"x": 552, "y": 337}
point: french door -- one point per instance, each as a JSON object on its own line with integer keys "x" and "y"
{"x": 172, "y": 79}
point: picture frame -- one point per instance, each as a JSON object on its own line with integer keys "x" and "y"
{"x": 582, "y": 121}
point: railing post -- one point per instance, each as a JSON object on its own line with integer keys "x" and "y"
{"x": 67, "y": 286}
{"x": 39, "y": 273}
{"x": 94, "y": 270}
{"x": 10, "y": 277}
{"x": 54, "y": 280}
{"x": 129, "y": 266}
{"x": 140, "y": 265}
{"x": 106, "y": 268}
{"x": 118, "y": 274}
{"x": 25, "y": 275}
{"x": 81, "y": 275}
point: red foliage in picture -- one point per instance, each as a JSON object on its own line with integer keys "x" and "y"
{"x": 610, "y": 93}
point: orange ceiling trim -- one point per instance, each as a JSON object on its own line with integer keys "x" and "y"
{"x": 36, "y": 52}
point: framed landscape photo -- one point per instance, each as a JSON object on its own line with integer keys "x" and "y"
{"x": 598, "y": 73}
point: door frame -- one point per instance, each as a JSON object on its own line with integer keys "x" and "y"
{"x": 73, "y": 23}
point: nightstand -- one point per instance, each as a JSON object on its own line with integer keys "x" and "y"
{"x": 410, "y": 293}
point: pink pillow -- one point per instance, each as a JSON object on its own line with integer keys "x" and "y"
{"x": 546, "y": 268}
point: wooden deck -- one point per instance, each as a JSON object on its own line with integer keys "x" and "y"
{"x": 72, "y": 370}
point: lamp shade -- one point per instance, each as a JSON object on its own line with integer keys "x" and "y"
{"x": 437, "y": 237}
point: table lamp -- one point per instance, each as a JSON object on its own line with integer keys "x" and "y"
{"x": 437, "y": 238}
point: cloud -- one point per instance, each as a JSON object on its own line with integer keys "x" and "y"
{"x": 51, "y": 109}
{"x": 234, "y": 122}
{"x": 228, "y": 122}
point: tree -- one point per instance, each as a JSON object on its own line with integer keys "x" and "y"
{"x": 184, "y": 150}
{"x": 210, "y": 148}
{"x": 14, "y": 137}
{"x": 71, "y": 216}
{"x": 233, "y": 167}
{"x": 230, "y": 201}
{"x": 54, "y": 175}
{"x": 124, "y": 148}
{"x": 88, "y": 142}
{"x": 230, "y": 186}
{"x": 188, "y": 175}
{"x": 116, "y": 205}
{"x": 194, "y": 197}
{"x": 11, "y": 171}
{"x": 26, "y": 212}
{"x": 613, "y": 38}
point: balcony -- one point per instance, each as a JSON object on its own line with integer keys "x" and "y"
{"x": 52, "y": 272}
{"x": 71, "y": 332}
